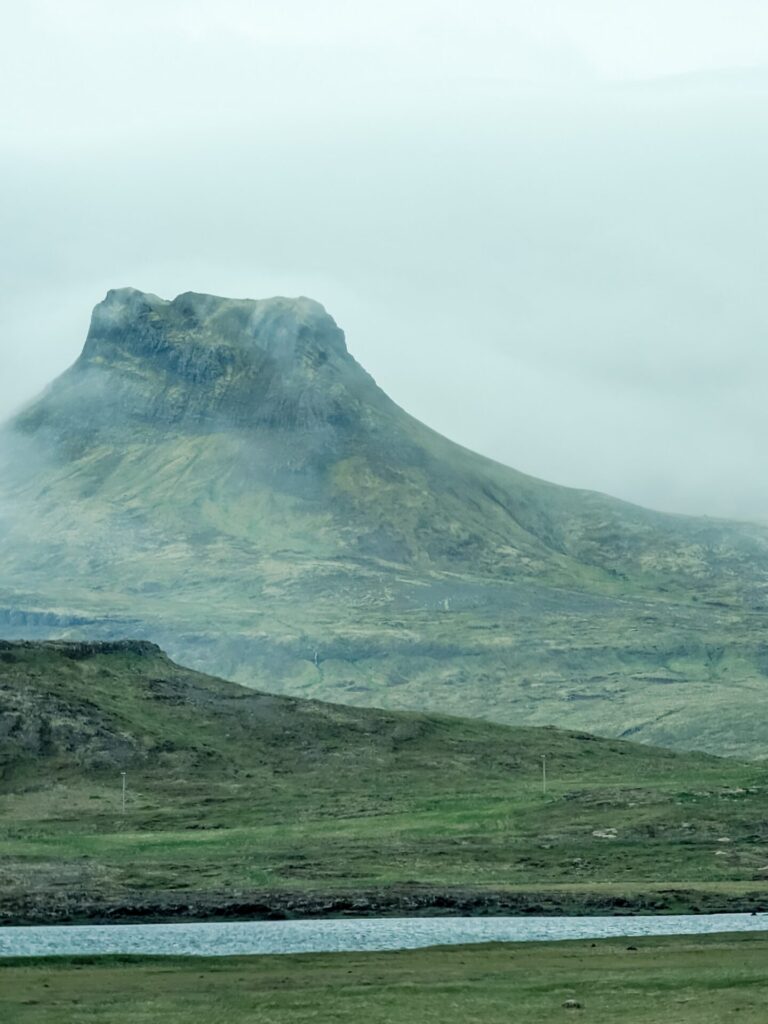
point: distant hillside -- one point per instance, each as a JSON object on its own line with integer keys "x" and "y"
{"x": 222, "y": 477}
{"x": 243, "y": 799}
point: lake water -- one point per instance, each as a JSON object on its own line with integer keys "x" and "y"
{"x": 351, "y": 935}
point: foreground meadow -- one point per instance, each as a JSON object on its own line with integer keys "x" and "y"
{"x": 706, "y": 980}
{"x": 237, "y": 799}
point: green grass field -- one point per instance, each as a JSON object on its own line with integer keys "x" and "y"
{"x": 705, "y": 980}
{"x": 233, "y": 792}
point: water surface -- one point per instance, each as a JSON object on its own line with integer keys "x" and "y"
{"x": 350, "y": 935}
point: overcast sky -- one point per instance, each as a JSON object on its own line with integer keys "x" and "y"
{"x": 543, "y": 225}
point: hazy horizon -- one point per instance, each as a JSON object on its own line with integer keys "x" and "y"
{"x": 540, "y": 226}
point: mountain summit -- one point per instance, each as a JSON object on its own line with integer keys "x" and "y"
{"x": 222, "y": 476}
{"x": 276, "y": 362}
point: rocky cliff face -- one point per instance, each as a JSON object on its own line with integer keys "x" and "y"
{"x": 37, "y": 721}
{"x": 221, "y": 475}
{"x": 207, "y": 363}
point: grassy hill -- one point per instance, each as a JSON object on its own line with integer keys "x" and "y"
{"x": 238, "y": 799}
{"x": 222, "y": 477}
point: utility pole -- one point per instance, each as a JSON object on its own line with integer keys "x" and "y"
{"x": 544, "y": 774}
{"x": 123, "y": 774}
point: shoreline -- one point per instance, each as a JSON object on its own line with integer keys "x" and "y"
{"x": 170, "y": 907}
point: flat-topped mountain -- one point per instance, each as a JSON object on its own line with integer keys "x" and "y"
{"x": 222, "y": 476}
{"x": 281, "y": 363}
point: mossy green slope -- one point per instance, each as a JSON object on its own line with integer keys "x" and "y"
{"x": 231, "y": 792}
{"x": 223, "y": 477}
